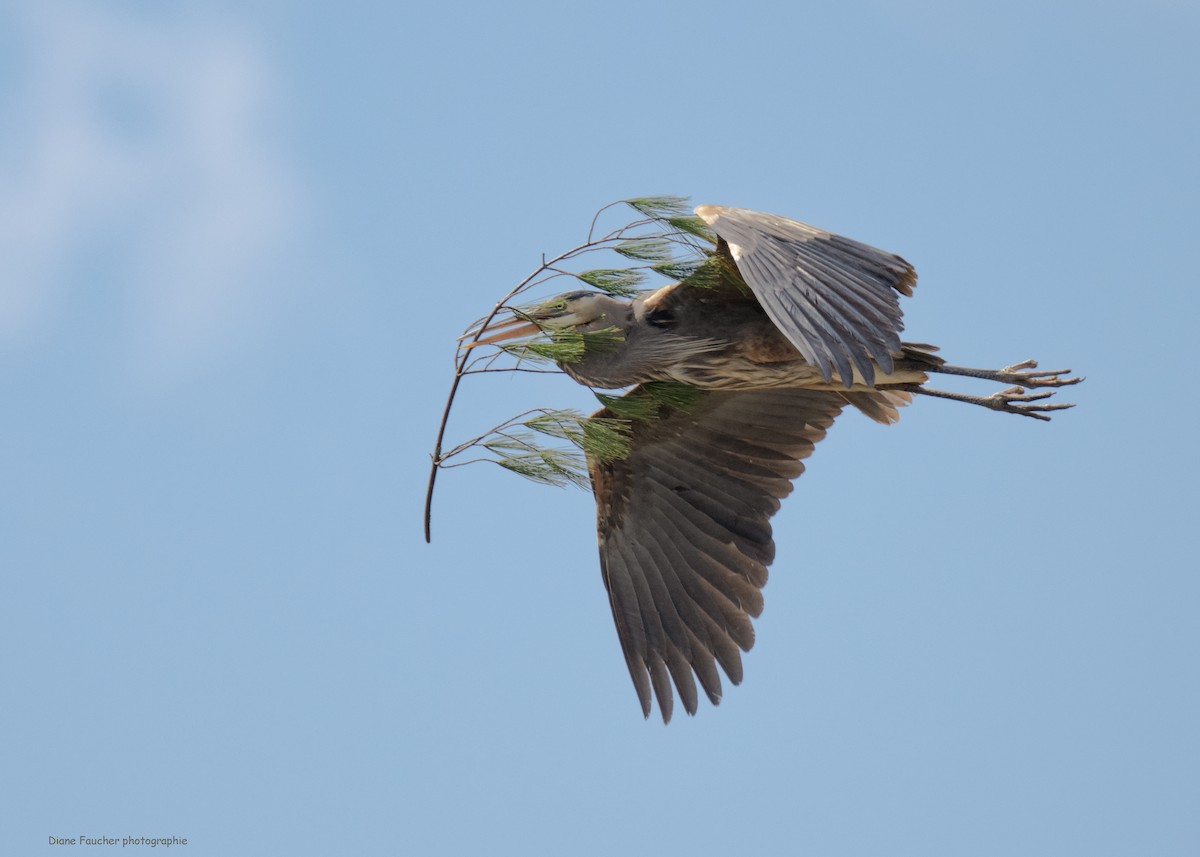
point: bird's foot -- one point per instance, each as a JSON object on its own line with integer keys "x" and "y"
{"x": 1014, "y": 374}
{"x": 1046, "y": 378}
{"x": 1015, "y": 400}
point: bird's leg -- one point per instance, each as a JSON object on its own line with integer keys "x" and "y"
{"x": 1014, "y": 400}
{"x": 1011, "y": 374}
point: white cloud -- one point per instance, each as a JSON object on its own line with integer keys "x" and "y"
{"x": 140, "y": 158}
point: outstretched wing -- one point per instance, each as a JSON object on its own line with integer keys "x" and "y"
{"x": 685, "y": 537}
{"x": 835, "y": 299}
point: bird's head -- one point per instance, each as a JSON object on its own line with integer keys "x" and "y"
{"x": 581, "y": 311}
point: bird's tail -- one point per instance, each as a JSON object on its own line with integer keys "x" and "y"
{"x": 884, "y": 405}
{"x": 919, "y": 355}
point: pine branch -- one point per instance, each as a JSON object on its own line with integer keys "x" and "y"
{"x": 548, "y": 467}
{"x": 648, "y": 402}
{"x": 693, "y": 226}
{"x": 564, "y": 346}
{"x": 618, "y": 282}
{"x": 653, "y": 249}
{"x": 661, "y": 207}
{"x": 673, "y": 244}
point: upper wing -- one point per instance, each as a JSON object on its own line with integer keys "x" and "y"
{"x": 685, "y": 538}
{"x": 835, "y": 299}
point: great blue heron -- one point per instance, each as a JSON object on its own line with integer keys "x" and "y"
{"x": 798, "y": 324}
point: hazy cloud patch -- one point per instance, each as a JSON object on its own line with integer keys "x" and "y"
{"x": 142, "y": 159}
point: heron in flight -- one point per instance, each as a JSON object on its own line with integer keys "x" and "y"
{"x": 797, "y": 325}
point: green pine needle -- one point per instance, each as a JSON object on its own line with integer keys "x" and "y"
{"x": 600, "y": 437}
{"x": 713, "y": 272}
{"x": 548, "y": 467}
{"x": 677, "y": 270}
{"x": 564, "y": 424}
{"x": 646, "y": 403}
{"x": 646, "y": 249}
{"x": 660, "y": 207}
{"x": 606, "y": 439}
{"x": 618, "y": 282}
{"x": 509, "y": 442}
{"x": 693, "y": 226}
{"x": 558, "y": 350}
{"x": 672, "y": 394}
{"x": 565, "y": 346}
{"x": 631, "y": 406}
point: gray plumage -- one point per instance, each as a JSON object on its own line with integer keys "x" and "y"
{"x": 685, "y": 533}
{"x": 833, "y": 298}
{"x": 788, "y": 325}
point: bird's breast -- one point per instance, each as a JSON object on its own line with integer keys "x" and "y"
{"x": 758, "y": 357}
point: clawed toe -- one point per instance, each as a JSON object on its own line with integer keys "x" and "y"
{"x": 1024, "y": 364}
{"x": 1046, "y": 378}
{"x": 1015, "y": 400}
{"x": 1024, "y": 373}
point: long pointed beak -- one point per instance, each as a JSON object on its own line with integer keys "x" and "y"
{"x": 513, "y": 328}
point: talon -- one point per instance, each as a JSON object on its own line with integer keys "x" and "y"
{"x": 1015, "y": 400}
{"x": 1024, "y": 364}
{"x": 1032, "y": 397}
{"x": 1014, "y": 374}
{"x": 1038, "y": 379}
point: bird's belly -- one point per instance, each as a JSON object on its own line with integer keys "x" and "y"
{"x": 738, "y": 373}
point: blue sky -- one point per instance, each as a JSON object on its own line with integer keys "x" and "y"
{"x": 237, "y": 242}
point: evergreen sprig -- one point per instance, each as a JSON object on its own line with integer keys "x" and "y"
{"x": 661, "y": 207}
{"x": 521, "y": 451}
{"x": 548, "y": 466}
{"x": 692, "y": 226}
{"x": 604, "y": 438}
{"x": 666, "y": 240}
{"x": 618, "y": 282}
{"x": 678, "y": 270}
{"x": 650, "y": 249}
{"x": 646, "y": 403}
{"x": 564, "y": 346}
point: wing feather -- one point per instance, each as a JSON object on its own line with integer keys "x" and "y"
{"x": 685, "y": 533}
{"x": 835, "y": 299}
{"x": 721, "y": 615}
{"x": 623, "y": 600}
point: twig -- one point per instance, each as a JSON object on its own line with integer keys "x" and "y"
{"x": 461, "y": 370}
{"x": 467, "y": 363}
